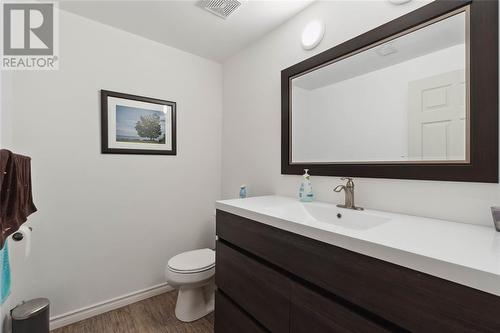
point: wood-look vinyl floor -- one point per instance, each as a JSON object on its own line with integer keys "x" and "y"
{"x": 153, "y": 315}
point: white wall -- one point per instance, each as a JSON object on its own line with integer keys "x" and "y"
{"x": 107, "y": 224}
{"x": 371, "y": 108}
{"x": 251, "y": 123}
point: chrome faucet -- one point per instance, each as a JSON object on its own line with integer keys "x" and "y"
{"x": 349, "y": 194}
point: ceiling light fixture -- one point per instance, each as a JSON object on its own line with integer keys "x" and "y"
{"x": 386, "y": 49}
{"x": 312, "y": 34}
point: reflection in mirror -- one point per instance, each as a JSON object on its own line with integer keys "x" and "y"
{"x": 402, "y": 100}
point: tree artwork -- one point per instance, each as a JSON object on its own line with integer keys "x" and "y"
{"x": 149, "y": 127}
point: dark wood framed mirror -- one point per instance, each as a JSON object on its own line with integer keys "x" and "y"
{"x": 415, "y": 98}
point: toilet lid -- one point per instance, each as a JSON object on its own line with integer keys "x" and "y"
{"x": 193, "y": 261}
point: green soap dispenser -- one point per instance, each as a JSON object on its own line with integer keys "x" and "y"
{"x": 306, "y": 193}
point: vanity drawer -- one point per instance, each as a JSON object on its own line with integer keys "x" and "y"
{"x": 229, "y": 318}
{"x": 412, "y": 300}
{"x": 314, "y": 312}
{"x": 258, "y": 289}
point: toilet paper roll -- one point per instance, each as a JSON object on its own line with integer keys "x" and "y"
{"x": 23, "y": 245}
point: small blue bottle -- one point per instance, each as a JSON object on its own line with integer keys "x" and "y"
{"x": 306, "y": 193}
{"x": 243, "y": 191}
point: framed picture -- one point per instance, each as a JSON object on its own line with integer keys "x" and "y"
{"x": 137, "y": 125}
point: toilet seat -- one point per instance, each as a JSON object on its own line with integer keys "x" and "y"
{"x": 191, "y": 262}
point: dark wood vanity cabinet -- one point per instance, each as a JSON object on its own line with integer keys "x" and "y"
{"x": 312, "y": 312}
{"x": 274, "y": 302}
{"x": 271, "y": 280}
{"x": 260, "y": 290}
{"x": 232, "y": 319}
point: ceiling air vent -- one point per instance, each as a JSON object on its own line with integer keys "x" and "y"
{"x": 221, "y": 8}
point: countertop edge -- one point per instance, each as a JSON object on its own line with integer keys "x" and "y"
{"x": 468, "y": 276}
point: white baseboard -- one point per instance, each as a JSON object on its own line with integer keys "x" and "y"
{"x": 102, "y": 307}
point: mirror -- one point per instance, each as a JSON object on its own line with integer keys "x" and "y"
{"x": 415, "y": 98}
{"x": 403, "y": 99}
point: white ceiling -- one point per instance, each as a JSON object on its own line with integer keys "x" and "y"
{"x": 183, "y": 25}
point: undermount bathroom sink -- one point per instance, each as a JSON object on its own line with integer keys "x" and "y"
{"x": 347, "y": 218}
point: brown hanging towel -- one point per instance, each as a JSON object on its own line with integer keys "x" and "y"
{"x": 16, "y": 199}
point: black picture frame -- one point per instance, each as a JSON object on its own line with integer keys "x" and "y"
{"x": 483, "y": 63}
{"x": 105, "y": 145}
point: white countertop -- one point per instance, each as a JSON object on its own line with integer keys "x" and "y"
{"x": 464, "y": 253}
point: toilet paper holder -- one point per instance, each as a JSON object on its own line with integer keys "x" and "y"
{"x": 18, "y": 236}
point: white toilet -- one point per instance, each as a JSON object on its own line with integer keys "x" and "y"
{"x": 192, "y": 272}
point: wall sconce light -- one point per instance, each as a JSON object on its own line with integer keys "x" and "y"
{"x": 312, "y": 34}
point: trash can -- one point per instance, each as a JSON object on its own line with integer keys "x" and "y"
{"x": 31, "y": 316}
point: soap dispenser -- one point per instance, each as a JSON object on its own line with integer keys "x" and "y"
{"x": 306, "y": 193}
{"x": 243, "y": 191}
